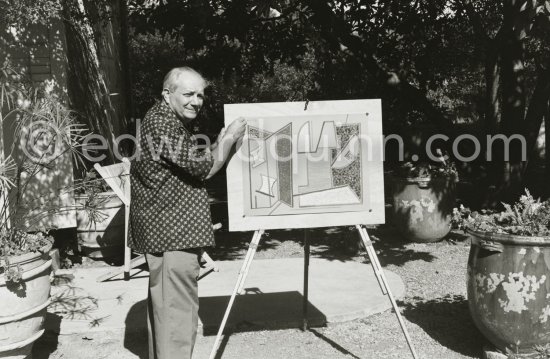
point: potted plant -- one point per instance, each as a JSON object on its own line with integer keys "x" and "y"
{"x": 509, "y": 273}
{"x": 100, "y": 219}
{"x": 423, "y": 199}
{"x": 24, "y": 244}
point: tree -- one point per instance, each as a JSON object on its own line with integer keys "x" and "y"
{"x": 516, "y": 59}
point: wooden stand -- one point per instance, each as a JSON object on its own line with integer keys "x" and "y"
{"x": 305, "y": 323}
{"x": 377, "y": 268}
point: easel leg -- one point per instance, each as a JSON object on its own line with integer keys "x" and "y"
{"x": 384, "y": 283}
{"x": 239, "y": 285}
{"x": 305, "y": 323}
{"x": 248, "y": 259}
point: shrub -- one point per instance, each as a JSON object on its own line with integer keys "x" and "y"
{"x": 527, "y": 217}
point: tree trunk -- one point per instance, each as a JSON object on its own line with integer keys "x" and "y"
{"x": 536, "y": 114}
{"x": 492, "y": 80}
{"x": 125, "y": 61}
{"x": 490, "y": 49}
{"x": 547, "y": 148}
{"x": 538, "y": 106}
{"x": 507, "y": 173}
{"x": 88, "y": 93}
{"x": 513, "y": 87}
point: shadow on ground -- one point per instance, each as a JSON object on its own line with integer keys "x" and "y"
{"x": 392, "y": 248}
{"x": 135, "y": 334}
{"x": 251, "y": 311}
{"x": 447, "y": 320}
{"x": 48, "y": 342}
{"x": 333, "y": 344}
{"x": 255, "y": 310}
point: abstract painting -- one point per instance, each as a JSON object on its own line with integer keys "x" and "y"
{"x": 302, "y": 165}
{"x": 294, "y": 169}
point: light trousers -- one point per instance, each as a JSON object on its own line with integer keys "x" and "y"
{"x": 173, "y": 303}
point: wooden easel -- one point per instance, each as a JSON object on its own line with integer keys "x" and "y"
{"x": 377, "y": 268}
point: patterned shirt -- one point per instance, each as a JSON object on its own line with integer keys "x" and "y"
{"x": 169, "y": 205}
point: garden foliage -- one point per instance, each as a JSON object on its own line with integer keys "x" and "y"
{"x": 45, "y": 132}
{"x": 526, "y": 217}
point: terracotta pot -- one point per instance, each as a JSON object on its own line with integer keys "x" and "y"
{"x": 103, "y": 238}
{"x": 24, "y": 304}
{"x": 423, "y": 207}
{"x": 509, "y": 289}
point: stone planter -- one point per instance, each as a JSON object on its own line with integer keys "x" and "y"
{"x": 104, "y": 237}
{"x": 23, "y": 305}
{"x": 509, "y": 289}
{"x": 423, "y": 207}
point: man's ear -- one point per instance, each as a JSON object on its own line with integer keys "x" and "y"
{"x": 166, "y": 95}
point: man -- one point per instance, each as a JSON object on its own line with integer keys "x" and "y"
{"x": 169, "y": 215}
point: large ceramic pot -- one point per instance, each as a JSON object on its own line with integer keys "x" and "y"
{"x": 423, "y": 207}
{"x": 23, "y": 304}
{"x": 101, "y": 237}
{"x": 509, "y": 289}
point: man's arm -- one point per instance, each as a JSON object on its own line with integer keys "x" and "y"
{"x": 225, "y": 142}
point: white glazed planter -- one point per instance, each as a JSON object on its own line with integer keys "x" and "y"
{"x": 23, "y": 306}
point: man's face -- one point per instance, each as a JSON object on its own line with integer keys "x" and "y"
{"x": 187, "y": 98}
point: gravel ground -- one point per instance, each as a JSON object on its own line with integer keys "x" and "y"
{"x": 434, "y": 309}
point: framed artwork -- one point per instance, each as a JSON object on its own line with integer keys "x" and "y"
{"x": 306, "y": 165}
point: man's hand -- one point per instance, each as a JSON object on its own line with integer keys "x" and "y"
{"x": 235, "y": 130}
{"x": 226, "y": 139}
